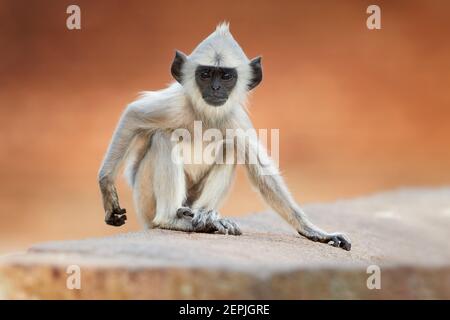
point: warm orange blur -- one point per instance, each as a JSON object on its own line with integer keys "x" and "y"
{"x": 358, "y": 110}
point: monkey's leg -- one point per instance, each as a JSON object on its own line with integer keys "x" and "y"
{"x": 168, "y": 184}
{"x": 143, "y": 196}
{"x": 265, "y": 177}
{"x": 210, "y": 191}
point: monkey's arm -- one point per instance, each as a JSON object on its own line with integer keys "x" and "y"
{"x": 132, "y": 121}
{"x": 264, "y": 175}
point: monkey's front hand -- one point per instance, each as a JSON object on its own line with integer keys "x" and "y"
{"x": 116, "y": 217}
{"x": 335, "y": 239}
{"x": 208, "y": 221}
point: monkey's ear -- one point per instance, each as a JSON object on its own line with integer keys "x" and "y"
{"x": 255, "y": 66}
{"x": 177, "y": 65}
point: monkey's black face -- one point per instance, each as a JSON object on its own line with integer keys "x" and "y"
{"x": 215, "y": 83}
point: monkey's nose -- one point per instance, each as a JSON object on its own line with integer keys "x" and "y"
{"x": 215, "y": 84}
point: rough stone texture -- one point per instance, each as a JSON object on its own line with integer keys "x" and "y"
{"x": 405, "y": 232}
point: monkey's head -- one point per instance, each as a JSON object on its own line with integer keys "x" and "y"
{"x": 217, "y": 73}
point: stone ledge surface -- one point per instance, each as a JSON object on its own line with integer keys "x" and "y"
{"x": 404, "y": 232}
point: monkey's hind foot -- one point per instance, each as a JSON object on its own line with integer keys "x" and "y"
{"x": 208, "y": 221}
{"x": 116, "y": 217}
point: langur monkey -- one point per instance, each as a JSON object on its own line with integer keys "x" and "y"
{"x": 211, "y": 86}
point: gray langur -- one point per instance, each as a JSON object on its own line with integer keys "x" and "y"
{"x": 211, "y": 86}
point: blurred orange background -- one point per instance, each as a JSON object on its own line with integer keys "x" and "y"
{"x": 358, "y": 110}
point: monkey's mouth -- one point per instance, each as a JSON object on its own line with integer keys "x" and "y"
{"x": 215, "y": 101}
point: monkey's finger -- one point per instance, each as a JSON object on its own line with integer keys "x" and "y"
{"x": 225, "y": 225}
{"x": 199, "y": 222}
{"x": 237, "y": 230}
{"x": 219, "y": 228}
{"x": 346, "y": 246}
{"x": 341, "y": 243}
{"x": 116, "y": 221}
{"x": 345, "y": 243}
{"x": 122, "y": 219}
{"x": 231, "y": 227}
{"x": 212, "y": 215}
{"x": 118, "y": 211}
{"x": 335, "y": 242}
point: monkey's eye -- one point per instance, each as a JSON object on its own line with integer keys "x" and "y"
{"x": 205, "y": 74}
{"x": 227, "y": 76}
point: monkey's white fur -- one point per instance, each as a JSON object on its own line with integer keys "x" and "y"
{"x": 161, "y": 186}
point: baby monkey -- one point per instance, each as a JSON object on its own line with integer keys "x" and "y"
{"x": 170, "y": 191}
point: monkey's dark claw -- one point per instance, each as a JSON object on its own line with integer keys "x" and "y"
{"x": 226, "y": 226}
{"x": 116, "y": 218}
